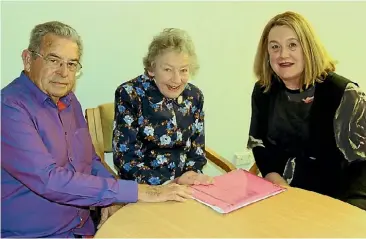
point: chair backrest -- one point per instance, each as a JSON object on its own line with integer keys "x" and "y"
{"x": 102, "y": 119}
{"x": 100, "y": 123}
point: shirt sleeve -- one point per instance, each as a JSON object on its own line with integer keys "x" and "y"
{"x": 98, "y": 169}
{"x": 263, "y": 156}
{"x": 350, "y": 124}
{"x": 127, "y": 147}
{"x": 26, "y": 158}
{"x": 196, "y": 156}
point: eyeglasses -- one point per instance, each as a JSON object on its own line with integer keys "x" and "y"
{"x": 56, "y": 62}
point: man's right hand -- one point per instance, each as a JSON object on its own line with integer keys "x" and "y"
{"x": 162, "y": 193}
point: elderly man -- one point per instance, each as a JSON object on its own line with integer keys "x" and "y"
{"x": 50, "y": 173}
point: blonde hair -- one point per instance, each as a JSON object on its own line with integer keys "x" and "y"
{"x": 316, "y": 59}
{"x": 171, "y": 39}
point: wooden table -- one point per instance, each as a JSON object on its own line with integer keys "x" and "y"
{"x": 294, "y": 213}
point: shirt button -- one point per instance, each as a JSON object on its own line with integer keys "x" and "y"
{"x": 65, "y": 133}
{"x": 70, "y": 159}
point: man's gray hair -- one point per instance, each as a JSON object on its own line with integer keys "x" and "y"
{"x": 56, "y": 28}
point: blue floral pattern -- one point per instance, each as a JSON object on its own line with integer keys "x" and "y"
{"x": 156, "y": 139}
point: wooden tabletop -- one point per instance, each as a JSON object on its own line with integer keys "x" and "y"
{"x": 294, "y": 213}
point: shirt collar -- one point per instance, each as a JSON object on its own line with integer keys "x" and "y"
{"x": 40, "y": 95}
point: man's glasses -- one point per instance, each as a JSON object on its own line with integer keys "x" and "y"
{"x": 56, "y": 62}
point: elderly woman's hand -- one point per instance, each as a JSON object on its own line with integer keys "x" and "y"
{"x": 193, "y": 178}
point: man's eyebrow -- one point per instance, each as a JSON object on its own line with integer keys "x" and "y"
{"x": 54, "y": 55}
{"x": 57, "y": 56}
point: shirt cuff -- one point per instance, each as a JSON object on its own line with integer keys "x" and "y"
{"x": 128, "y": 191}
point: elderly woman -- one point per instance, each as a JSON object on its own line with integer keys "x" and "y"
{"x": 158, "y": 134}
{"x": 308, "y": 126}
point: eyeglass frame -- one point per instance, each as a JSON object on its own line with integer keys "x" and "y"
{"x": 45, "y": 58}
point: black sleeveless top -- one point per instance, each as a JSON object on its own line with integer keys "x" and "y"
{"x": 292, "y": 133}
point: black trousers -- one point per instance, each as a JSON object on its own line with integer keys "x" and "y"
{"x": 95, "y": 215}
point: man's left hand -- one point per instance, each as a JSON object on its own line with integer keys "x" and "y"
{"x": 107, "y": 212}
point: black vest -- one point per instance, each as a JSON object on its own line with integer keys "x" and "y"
{"x": 322, "y": 145}
{"x": 330, "y": 173}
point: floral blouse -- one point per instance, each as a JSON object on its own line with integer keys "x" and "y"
{"x": 155, "y": 138}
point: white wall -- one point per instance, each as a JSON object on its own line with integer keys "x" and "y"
{"x": 116, "y": 36}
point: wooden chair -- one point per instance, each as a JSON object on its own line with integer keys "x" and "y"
{"x": 100, "y": 124}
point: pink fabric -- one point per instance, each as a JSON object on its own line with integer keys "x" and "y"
{"x": 234, "y": 190}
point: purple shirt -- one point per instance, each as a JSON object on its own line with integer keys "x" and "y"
{"x": 48, "y": 165}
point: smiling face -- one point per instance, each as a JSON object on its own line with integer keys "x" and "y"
{"x": 54, "y": 80}
{"x": 286, "y": 55}
{"x": 171, "y": 73}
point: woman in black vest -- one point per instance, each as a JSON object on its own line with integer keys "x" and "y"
{"x": 308, "y": 125}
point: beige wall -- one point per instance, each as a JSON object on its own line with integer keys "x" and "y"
{"x": 116, "y": 36}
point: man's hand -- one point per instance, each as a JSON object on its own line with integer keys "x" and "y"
{"x": 107, "y": 212}
{"x": 162, "y": 193}
{"x": 193, "y": 178}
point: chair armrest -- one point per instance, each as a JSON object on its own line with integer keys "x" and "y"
{"x": 221, "y": 162}
{"x": 254, "y": 169}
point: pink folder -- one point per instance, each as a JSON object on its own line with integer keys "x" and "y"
{"x": 234, "y": 190}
